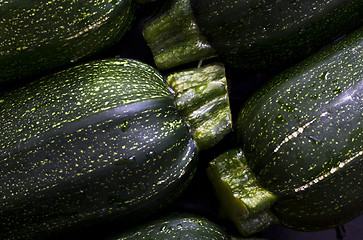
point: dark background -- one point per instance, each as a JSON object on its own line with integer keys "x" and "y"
{"x": 199, "y": 197}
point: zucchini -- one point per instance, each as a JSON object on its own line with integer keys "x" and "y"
{"x": 98, "y": 142}
{"x": 302, "y": 140}
{"x": 176, "y": 226}
{"x": 249, "y": 34}
{"x": 43, "y": 35}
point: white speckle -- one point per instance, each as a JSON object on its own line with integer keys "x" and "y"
{"x": 326, "y": 75}
{"x": 294, "y": 134}
{"x": 300, "y": 130}
{"x": 161, "y": 181}
{"x": 202, "y": 45}
{"x": 332, "y": 170}
{"x": 324, "y": 114}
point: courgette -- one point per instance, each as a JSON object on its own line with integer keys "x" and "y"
{"x": 176, "y": 226}
{"x": 301, "y": 138}
{"x": 42, "y": 35}
{"x": 98, "y": 142}
{"x": 249, "y": 34}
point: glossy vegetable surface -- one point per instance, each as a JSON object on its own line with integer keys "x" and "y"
{"x": 37, "y": 36}
{"x": 181, "y": 226}
{"x": 94, "y": 143}
{"x": 302, "y": 137}
{"x": 249, "y": 34}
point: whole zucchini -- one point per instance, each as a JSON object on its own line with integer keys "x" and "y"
{"x": 249, "y": 34}
{"x": 96, "y": 142}
{"x": 41, "y": 35}
{"x": 176, "y": 226}
{"x": 301, "y": 138}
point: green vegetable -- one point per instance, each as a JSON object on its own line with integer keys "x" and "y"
{"x": 181, "y": 226}
{"x": 42, "y": 35}
{"x": 94, "y": 143}
{"x": 251, "y": 34}
{"x": 302, "y": 139}
{"x": 174, "y": 38}
{"x": 201, "y": 96}
{"x": 243, "y": 201}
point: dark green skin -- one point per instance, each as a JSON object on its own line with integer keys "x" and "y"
{"x": 37, "y": 36}
{"x": 302, "y": 137}
{"x": 265, "y": 35}
{"x": 94, "y": 143}
{"x": 181, "y": 226}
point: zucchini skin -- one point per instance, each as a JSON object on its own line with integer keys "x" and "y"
{"x": 181, "y": 226}
{"x": 43, "y": 35}
{"x": 98, "y": 142}
{"x": 253, "y": 34}
{"x": 302, "y": 137}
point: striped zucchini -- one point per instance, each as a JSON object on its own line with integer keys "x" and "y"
{"x": 249, "y": 34}
{"x": 176, "y": 226}
{"x": 302, "y": 139}
{"x": 41, "y": 35}
{"x": 94, "y": 143}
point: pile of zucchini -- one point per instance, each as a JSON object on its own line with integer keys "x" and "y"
{"x": 165, "y": 138}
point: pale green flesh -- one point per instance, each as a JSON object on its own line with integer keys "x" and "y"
{"x": 243, "y": 201}
{"x": 174, "y": 37}
{"x": 201, "y": 96}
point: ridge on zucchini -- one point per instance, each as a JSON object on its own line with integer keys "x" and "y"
{"x": 301, "y": 138}
{"x": 46, "y": 35}
{"x": 249, "y": 35}
{"x": 95, "y": 143}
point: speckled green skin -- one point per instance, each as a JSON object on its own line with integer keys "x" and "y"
{"x": 260, "y": 35}
{"x": 181, "y": 226}
{"x": 98, "y": 141}
{"x": 302, "y": 137}
{"x": 40, "y": 35}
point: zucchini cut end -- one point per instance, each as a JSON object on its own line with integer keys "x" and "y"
{"x": 242, "y": 200}
{"x": 201, "y": 96}
{"x": 174, "y": 38}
